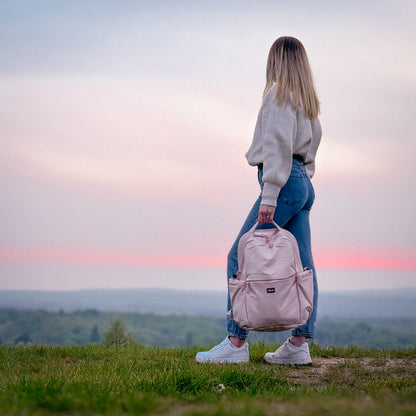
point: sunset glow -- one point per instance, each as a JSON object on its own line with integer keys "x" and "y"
{"x": 351, "y": 259}
{"x": 123, "y": 135}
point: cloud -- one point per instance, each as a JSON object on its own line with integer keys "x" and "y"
{"x": 126, "y": 137}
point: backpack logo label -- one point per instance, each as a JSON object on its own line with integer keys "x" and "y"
{"x": 270, "y": 290}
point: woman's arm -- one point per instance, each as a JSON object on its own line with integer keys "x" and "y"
{"x": 278, "y": 131}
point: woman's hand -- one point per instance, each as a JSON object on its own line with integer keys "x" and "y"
{"x": 266, "y": 213}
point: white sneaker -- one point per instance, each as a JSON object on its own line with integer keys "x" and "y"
{"x": 289, "y": 354}
{"x": 225, "y": 352}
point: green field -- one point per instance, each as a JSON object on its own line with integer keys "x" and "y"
{"x": 143, "y": 380}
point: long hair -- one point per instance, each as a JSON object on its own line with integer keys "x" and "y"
{"x": 288, "y": 67}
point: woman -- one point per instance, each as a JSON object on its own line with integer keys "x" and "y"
{"x": 286, "y": 139}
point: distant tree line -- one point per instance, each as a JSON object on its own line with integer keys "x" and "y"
{"x": 21, "y": 327}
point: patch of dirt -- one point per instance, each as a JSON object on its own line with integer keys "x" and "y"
{"x": 316, "y": 374}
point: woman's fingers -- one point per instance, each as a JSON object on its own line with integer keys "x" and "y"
{"x": 266, "y": 213}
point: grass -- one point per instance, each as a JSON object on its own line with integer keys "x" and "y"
{"x": 141, "y": 380}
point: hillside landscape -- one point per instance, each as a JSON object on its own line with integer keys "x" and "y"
{"x": 349, "y": 304}
{"x": 178, "y": 318}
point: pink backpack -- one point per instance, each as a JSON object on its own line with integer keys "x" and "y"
{"x": 271, "y": 291}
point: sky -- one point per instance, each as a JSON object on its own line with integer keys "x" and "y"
{"x": 124, "y": 124}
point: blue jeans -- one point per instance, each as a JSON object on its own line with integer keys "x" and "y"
{"x": 292, "y": 213}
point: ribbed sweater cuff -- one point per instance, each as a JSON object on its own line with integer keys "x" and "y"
{"x": 270, "y": 194}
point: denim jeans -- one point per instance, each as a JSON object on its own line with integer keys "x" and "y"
{"x": 292, "y": 213}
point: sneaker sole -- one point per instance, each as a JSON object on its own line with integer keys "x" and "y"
{"x": 221, "y": 361}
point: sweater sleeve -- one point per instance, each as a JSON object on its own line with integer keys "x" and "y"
{"x": 278, "y": 129}
{"x": 316, "y": 139}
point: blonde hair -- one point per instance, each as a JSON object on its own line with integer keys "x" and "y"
{"x": 288, "y": 67}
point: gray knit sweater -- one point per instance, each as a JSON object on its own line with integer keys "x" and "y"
{"x": 280, "y": 133}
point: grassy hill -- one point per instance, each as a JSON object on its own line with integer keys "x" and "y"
{"x": 144, "y": 380}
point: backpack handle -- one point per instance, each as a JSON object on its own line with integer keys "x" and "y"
{"x": 253, "y": 228}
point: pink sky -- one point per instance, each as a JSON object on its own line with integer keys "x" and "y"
{"x": 382, "y": 258}
{"x": 122, "y": 134}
